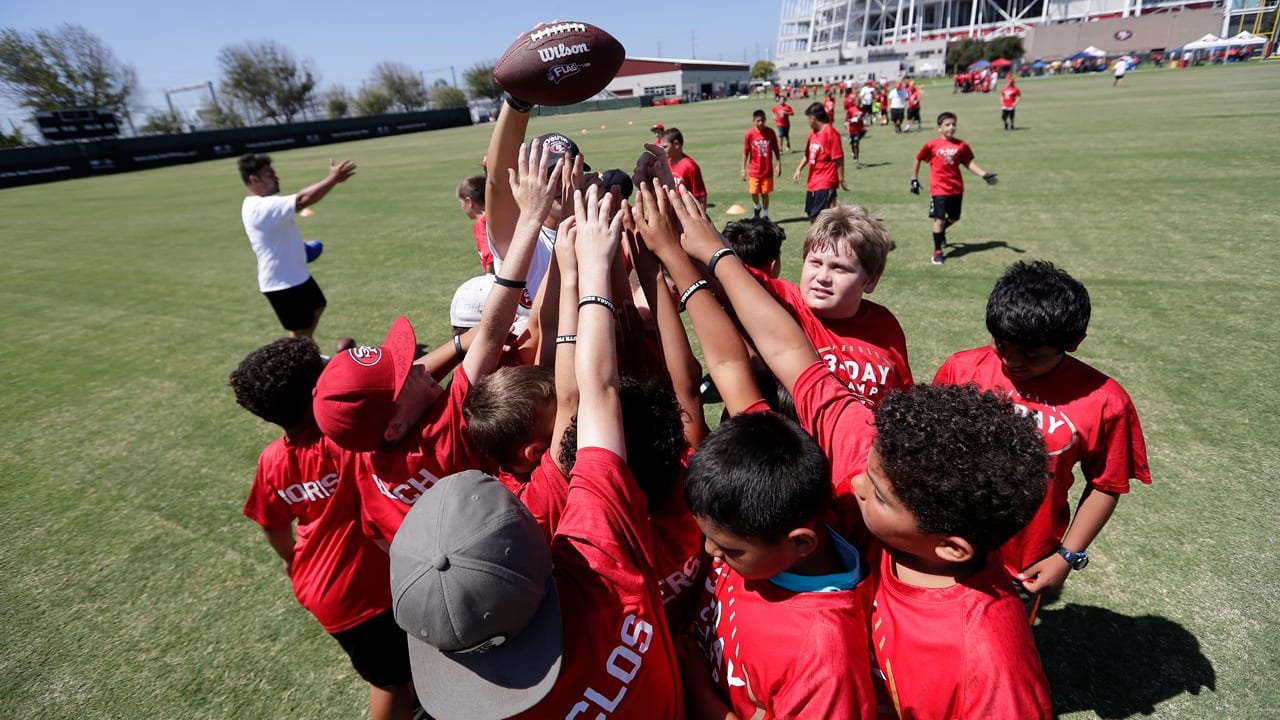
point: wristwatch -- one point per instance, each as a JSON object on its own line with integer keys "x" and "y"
{"x": 1077, "y": 560}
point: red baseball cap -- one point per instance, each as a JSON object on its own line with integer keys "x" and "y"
{"x": 356, "y": 393}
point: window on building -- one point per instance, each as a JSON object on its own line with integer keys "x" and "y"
{"x": 660, "y": 90}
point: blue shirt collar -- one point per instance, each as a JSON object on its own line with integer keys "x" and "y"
{"x": 835, "y": 582}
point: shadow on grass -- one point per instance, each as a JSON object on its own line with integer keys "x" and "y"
{"x": 1115, "y": 665}
{"x": 799, "y": 218}
{"x": 868, "y": 165}
{"x": 956, "y": 250}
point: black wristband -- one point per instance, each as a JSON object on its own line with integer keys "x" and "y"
{"x": 597, "y": 300}
{"x": 504, "y": 282}
{"x": 564, "y": 339}
{"x": 518, "y": 105}
{"x": 715, "y": 259}
{"x": 684, "y": 296}
{"x": 457, "y": 347}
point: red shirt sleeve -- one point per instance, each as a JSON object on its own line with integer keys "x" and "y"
{"x": 1121, "y": 451}
{"x": 843, "y": 427}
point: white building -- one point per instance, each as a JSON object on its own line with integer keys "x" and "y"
{"x": 836, "y": 40}
{"x": 686, "y": 79}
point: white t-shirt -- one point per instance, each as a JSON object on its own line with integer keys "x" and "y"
{"x": 866, "y": 95}
{"x": 542, "y": 254}
{"x": 897, "y": 99}
{"x": 282, "y": 254}
{"x": 1121, "y": 67}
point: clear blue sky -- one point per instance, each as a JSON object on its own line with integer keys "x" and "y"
{"x": 176, "y": 43}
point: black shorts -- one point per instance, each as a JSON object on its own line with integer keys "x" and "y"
{"x": 896, "y": 114}
{"x": 296, "y": 306}
{"x": 913, "y": 114}
{"x": 945, "y": 207}
{"x": 855, "y": 138}
{"x": 1006, "y": 113}
{"x": 379, "y": 651}
{"x": 784, "y": 131}
{"x": 866, "y": 109}
{"x": 815, "y": 201}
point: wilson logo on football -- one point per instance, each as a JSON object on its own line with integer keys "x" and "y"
{"x": 560, "y": 50}
{"x": 365, "y": 355}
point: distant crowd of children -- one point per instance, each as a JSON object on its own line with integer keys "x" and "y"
{"x": 535, "y": 520}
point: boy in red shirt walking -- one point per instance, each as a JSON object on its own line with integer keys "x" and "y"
{"x": 824, "y": 156}
{"x": 782, "y": 113}
{"x": 946, "y": 155}
{"x": 1009, "y": 98}
{"x": 759, "y": 151}
{"x": 683, "y": 168}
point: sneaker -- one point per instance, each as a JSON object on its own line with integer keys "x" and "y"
{"x": 755, "y": 215}
{"x": 937, "y": 257}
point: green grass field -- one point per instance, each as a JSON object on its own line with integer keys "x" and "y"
{"x": 132, "y": 587}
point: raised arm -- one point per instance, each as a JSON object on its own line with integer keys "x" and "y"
{"x": 312, "y": 194}
{"x": 534, "y": 192}
{"x": 722, "y": 346}
{"x": 566, "y": 335}
{"x": 779, "y": 340}
{"x": 599, "y": 409}
{"x": 501, "y": 209}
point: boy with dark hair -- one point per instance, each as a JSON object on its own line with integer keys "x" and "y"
{"x": 268, "y": 220}
{"x": 758, "y": 243}
{"x": 1010, "y": 96}
{"x": 683, "y": 168}
{"x": 857, "y": 128}
{"x": 1037, "y": 314}
{"x": 782, "y": 113}
{"x": 759, "y": 148}
{"x": 945, "y": 154}
{"x": 574, "y": 628}
{"x": 784, "y": 625}
{"x": 948, "y": 632}
{"x": 338, "y": 574}
{"x": 471, "y": 199}
{"x": 824, "y": 157}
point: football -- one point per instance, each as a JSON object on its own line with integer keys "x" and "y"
{"x": 559, "y": 64}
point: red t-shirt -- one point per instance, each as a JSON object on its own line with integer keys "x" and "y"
{"x": 945, "y": 158}
{"x": 677, "y": 550}
{"x": 825, "y": 148}
{"x": 688, "y": 174}
{"x": 849, "y": 104}
{"x": 855, "y": 121}
{"x": 762, "y": 144}
{"x": 913, "y": 97}
{"x": 338, "y": 574}
{"x": 867, "y": 352}
{"x": 963, "y": 651}
{"x": 1085, "y": 417}
{"x": 544, "y": 493}
{"x": 844, "y": 428}
{"x": 829, "y": 104}
{"x": 391, "y": 480}
{"x": 776, "y": 653}
{"x": 1009, "y": 97}
{"x": 619, "y": 660}
{"x": 480, "y": 230}
{"x": 782, "y": 115}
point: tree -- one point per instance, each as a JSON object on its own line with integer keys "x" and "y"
{"x": 265, "y": 77}
{"x": 479, "y": 81}
{"x": 336, "y": 102}
{"x": 763, "y": 70}
{"x": 372, "y": 101}
{"x": 446, "y": 96}
{"x": 13, "y": 139}
{"x": 66, "y": 68}
{"x": 964, "y": 53}
{"x": 163, "y": 123}
{"x": 400, "y": 83}
{"x": 1009, "y": 48}
{"x": 220, "y": 116}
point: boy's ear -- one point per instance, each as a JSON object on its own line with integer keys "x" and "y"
{"x": 870, "y": 285}
{"x": 532, "y": 452}
{"x": 954, "y": 549}
{"x": 804, "y": 540}
{"x": 1075, "y": 345}
{"x": 775, "y": 268}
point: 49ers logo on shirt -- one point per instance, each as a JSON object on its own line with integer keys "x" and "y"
{"x": 947, "y": 153}
{"x": 525, "y": 301}
{"x": 365, "y": 355}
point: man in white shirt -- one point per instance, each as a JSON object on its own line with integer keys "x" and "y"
{"x": 282, "y": 254}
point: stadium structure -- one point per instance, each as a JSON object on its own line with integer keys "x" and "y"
{"x": 838, "y": 40}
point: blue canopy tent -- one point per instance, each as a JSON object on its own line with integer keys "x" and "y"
{"x": 1039, "y": 64}
{"x": 979, "y": 65}
{"x": 1082, "y": 55}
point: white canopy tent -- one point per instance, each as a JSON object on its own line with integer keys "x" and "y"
{"x": 1244, "y": 39}
{"x": 1204, "y": 43}
{"x": 1095, "y": 52}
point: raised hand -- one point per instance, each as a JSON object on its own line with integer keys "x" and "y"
{"x": 655, "y": 220}
{"x": 700, "y": 238}
{"x": 533, "y": 188}
{"x": 599, "y": 229}
{"x": 341, "y": 171}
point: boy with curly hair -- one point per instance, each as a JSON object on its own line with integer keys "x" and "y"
{"x": 1037, "y": 315}
{"x": 338, "y": 575}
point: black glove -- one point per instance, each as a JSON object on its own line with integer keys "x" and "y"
{"x": 991, "y": 178}
{"x": 915, "y": 186}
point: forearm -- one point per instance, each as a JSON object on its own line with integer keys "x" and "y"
{"x": 500, "y": 306}
{"x": 915, "y": 170}
{"x": 312, "y": 194}
{"x": 976, "y": 169}
{"x": 443, "y": 359}
{"x": 597, "y": 363}
{"x": 1092, "y": 514}
{"x": 682, "y": 366}
{"x": 500, "y": 205}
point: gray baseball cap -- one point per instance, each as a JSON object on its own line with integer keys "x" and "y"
{"x": 471, "y": 585}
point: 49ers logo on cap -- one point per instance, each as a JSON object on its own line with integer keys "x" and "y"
{"x": 557, "y": 144}
{"x": 365, "y": 355}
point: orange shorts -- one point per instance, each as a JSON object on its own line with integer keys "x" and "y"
{"x": 759, "y": 186}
